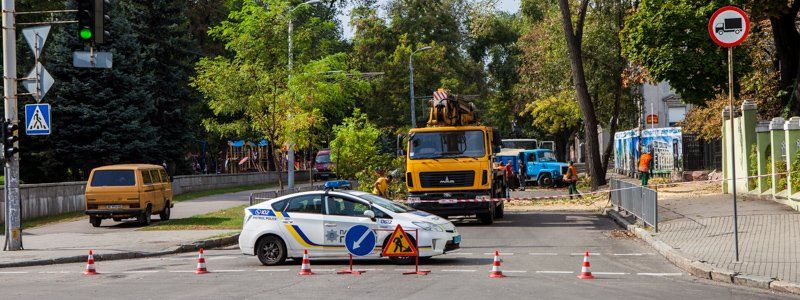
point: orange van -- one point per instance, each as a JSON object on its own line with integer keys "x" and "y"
{"x": 128, "y": 191}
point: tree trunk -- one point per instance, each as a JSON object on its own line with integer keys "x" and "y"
{"x": 787, "y": 46}
{"x": 573, "y": 38}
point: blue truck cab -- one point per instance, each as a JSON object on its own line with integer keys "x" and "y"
{"x": 538, "y": 165}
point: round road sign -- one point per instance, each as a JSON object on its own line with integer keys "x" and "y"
{"x": 360, "y": 240}
{"x": 729, "y": 26}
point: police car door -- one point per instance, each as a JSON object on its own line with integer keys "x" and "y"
{"x": 302, "y": 224}
{"x": 341, "y": 213}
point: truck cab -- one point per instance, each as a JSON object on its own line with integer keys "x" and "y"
{"x": 542, "y": 167}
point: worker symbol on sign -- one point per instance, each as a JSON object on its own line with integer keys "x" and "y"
{"x": 399, "y": 244}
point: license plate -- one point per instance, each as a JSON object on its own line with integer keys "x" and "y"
{"x": 457, "y": 239}
{"x": 113, "y": 206}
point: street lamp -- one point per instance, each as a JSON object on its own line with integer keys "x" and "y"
{"x": 290, "y": 169}
{"x": 411, "y": 82}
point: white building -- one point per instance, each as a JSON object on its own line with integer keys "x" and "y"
{"x": 662, "y": 101}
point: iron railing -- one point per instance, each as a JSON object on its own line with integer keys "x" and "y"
{"x": 640, "y": 201}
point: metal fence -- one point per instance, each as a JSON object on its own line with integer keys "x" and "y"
{"x": 642, "y": 202}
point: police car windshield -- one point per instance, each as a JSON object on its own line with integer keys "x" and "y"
{"x": 387, "y": 204}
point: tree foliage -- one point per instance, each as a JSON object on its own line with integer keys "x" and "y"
{"x": 355, "y": 145}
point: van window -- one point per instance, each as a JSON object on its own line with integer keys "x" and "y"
{"x": 146, "y": 177}
{"x": 310, "y": 204}
{"x": 114, "y": 178}
{"x": 164, "y": 177}
{"x": 155, "y": 177}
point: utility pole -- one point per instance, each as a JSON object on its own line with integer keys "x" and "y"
{"x": 13, "y": 213}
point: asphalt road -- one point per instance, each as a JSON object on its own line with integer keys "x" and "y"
{"x": 541, "y": 253}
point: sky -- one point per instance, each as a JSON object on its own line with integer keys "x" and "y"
{"x": 511, "y": 6}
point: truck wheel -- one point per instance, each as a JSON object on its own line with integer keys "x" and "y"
{"x": 499, "y": 211}
{"x": 545, "y": 180}
{"x": 95, "y": 221}
{"x": 487, "y": 218}
{"x": 720, "y": 32}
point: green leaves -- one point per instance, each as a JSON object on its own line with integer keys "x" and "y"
{"x": 354, "y": 147}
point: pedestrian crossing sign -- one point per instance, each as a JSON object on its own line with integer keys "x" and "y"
{"x": 37, "y": 119}
{"x": 399, "y": 244}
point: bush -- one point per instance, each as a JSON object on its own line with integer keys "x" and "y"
{"x": 752, "y": 182}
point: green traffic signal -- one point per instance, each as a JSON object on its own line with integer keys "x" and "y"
{"x": 85, "y": 33}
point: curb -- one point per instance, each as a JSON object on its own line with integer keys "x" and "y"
{"x": 702, "y": 269}
{"x": 191, "y": 247}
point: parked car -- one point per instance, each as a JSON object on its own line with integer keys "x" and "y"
{"x": 128, "y": 191}
{"x": 323, "y": 166}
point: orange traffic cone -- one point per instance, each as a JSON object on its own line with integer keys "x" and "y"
{"x": 496, "y": 273}
{"x": 305, "y": 267}
{"x": 585, "y": 273}
{"x": 201, "y": 263}
{"x": 90, "y": 270}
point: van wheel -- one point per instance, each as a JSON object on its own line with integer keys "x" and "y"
{"x": 164, "y": 215}
{"x": 145, "y": 218}
{"x": 271, "y": 250}
{"x": 95, "y": 221}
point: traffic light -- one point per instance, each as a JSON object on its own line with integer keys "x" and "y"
{"x": 10, "y": 138}
{"x": 93, "y": 21}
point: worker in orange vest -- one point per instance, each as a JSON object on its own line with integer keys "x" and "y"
{"x": 645, "y": 166}
{"x": 572, "y": 179}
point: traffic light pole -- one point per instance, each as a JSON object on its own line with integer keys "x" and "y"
{"x": 12, "y": 200}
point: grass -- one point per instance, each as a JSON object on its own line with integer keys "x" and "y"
{"x": 198, "y": 194}
{"x": 229, "y": 218}
{"x": 41, "y": 221}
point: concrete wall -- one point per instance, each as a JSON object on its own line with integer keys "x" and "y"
{"x": 48, "y": 199}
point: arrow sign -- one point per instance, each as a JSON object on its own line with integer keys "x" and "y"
{"x": 36, "y": 36}
{"x": 360, "y": 240}
{"x": 38, "y": 88}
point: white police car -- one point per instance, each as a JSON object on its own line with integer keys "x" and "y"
{"x": 319, "y": 220}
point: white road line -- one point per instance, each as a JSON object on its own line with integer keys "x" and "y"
{"x": 548, "y": 253}
{"x": 272, "y": 270}
{"x": 501, "y": 253}
{"x": 609, "y": 273}
{"x": 226, "y": 271}
{"x": 459, "y": 270}
{"x": 137, "y": 272}
{"x": 182, "y": 271}
{"x": 554, "y": 272}
{"x": 14, "y": 272}
{"x": 582, "y": 254}
{"x": 370, "y": 269}
{"x": 631, "y": 254}
{"x": 324, "y": 270}
{"x": 660, "y": 274}
{"x": 515, "y": 271}
{"x": 55, "y": 272}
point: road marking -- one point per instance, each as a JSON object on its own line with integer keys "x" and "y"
{"x": 660, "y": 274}
{"x": 501, "y": 253}
{"x": 227, "y": 271}
{"x": 631, "y": 254}
{"x": 55, "y": 272}
{"x": 13, "y": 272}
{"x": 554, "y": 272}
{"x": 370, "y": 269}
{"x": 548, "y": 253}
{"x": 182, "y": 271}
{"x": 137, "y": 272}
{"x": 273, "y": 270}
{"x": 609, "y": 273}
{"x": 459, "y": 270}
{"x": 582, "y": 254}
{"x": 325, "y": 270}
{"x": 461, "y": 253}
{"x": 515, "y": 271}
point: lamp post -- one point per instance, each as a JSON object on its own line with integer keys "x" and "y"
{"x": 411, "y": 82}
{"x": 290, "y": 167}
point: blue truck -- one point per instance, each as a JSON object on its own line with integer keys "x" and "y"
{"x": 538, "y": 165}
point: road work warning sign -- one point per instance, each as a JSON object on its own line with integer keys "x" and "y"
{"x": 399, "y": 244}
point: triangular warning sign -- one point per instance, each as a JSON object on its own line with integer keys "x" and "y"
{"x": 399, "y": 244}
{"x": 37, "y": 121}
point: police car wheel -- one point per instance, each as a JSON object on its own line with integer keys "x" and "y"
{"x": 401, "y": 260}
{"x": 271, "y": 251}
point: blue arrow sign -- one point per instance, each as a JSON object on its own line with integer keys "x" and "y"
{"x": 360, "y": 240}
{"x": 37, "y": 119}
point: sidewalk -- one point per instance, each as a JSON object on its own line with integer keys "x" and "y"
{"x": 700, "y": 224}
{"x": 64, "y": 242}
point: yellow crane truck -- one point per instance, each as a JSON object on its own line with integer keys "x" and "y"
{"x": 450, "y": 169}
